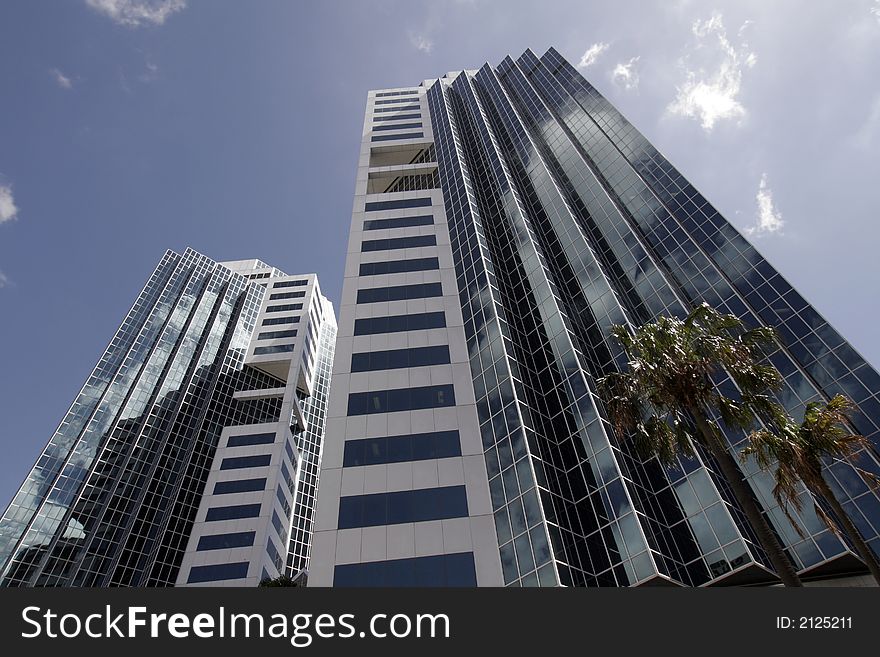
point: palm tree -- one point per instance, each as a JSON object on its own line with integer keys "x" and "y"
{"x": 281, "y": 580}
{"x": 797, "y": 452}
{"x": 667, "y": 399}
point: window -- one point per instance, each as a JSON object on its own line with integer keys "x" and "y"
{"x": 287, "y": 295}
{"x": 251, "y": 439}
{"x": 225, "y": 541}
{"x": 282, "y": 499}
{"x": 405, "y": 135}
{"x": 400, "y": 292}
{"x": 399, "y": 449}
{"x": 289, "y": 284}
{"x": 398, "y": 266}
{"x": 217, "y": 572}
{"x": 274, "y": 335}
{"x": 403, "y": 506}
{"x": 239, "y": 486}
{"x": 286, "y": 306}
{"x": 408, "y": 108}
{"x": 394, "y": 101}
{"x": 399, "y": 126}
{"x": 408, "y": 92}
{"x": 273, "y": 321}
{"x": 395, "y": 359}
{"x": 397, "y": 205}
{"x": 398, "y": 243}
{"x": 397, "y": 117}
{"x": 401, "y": 399}
{"x": 399, "y": 323}
{"x": 399, "y": 222}
{"x": 278, "y": 525}
{"x": 238, "y": 462}
{"x": 233, "y": 512}
{"x": 434, "y": 571}
{"x": 274, "y": 349}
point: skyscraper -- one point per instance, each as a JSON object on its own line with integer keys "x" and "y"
{"x": 190, "y": 455}
{"x": 504, "y": 219}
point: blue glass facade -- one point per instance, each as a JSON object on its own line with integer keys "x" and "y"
{"x": 564, "y": 221}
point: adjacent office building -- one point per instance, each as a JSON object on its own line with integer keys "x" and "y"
{"x": 191, "y": 454}
{"x": 504, "y": 219}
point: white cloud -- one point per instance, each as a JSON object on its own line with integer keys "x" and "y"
{"x": 8, "y": 210}
{"x": 626, "y": 74}
{"x": 60, "y": 79}
{"x": 710, "y": 91}
{"x": 592, "y": 54}
{"x": 876, "y": 10}
{"x": 870, "y": 129}
{"x": 4, "y": 279}
{"x": 769, "y": 219}
{"x": 151, "y": 72}
{"x": 136, "y": 13}
{"x": 421, "y": 42}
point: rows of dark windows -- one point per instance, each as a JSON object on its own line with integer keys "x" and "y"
{"x": 239, "y": 486}
{"x": 225, "y": 541}
{"x": 398, "y": 266}
{"x": 408, "y": 108}
{"x": 232, "y": 512}
{"x": 405, "y": 135}
{"x": 400, "y": 399}
{"x": 399, "y": 222}
{"x": 407, "y": 92}
{"x": 299, "y": 283}
{"x": 274, "y": 321}
{"x": 399, "y": 126}
{"x": 394, "y": 359}
{"x": 400, "y": 292}
{"x": 397, "y": 117}
{"x": 392, "y": 243}
{"x": 397, "y": 205}
{"x": 286, "y": 306}
{"x": 400, "y": 449}
{"x": 274, "y": 349}
{"x": 435, "y": 571}
{"x": 403, "y": 506}
{"x": 287, "y": 295}
{"x": 274, "y": 335}
{"x": 251, "y": 439}
{"x": 217, "y": 572}
{"x": 394, "y": 101}
{"x": 399, "y": 323}
{"x": 238, "y": 462}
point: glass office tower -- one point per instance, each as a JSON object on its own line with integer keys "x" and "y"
{"x": 195, "y": 441}
{"x": 504, "y": 219}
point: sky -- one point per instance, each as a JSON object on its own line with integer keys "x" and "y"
{"x": 128, "y": 127}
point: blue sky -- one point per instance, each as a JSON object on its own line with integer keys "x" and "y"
{"x": 131, "y": 126}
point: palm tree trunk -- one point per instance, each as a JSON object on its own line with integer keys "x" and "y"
{"x": 849, "y": 528}
{"x": 743, "y": 494}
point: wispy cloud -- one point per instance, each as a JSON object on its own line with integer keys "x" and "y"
{"x": 137, "y": 13}
{"x": 8, "y": 212}
{"x": 870, "y": 129}
{"x": 769, "y": 218}
{"x": 876, "y": 10}
{"x": 151, "y": 71}
{"x": 8, "y": 209}
{"x": 421, "y": 42}
{"x": 626, "y": 74}
{"x": 592, "y": 54}
{"x": 60, "y": 79}
{"x": 711, "y": 89}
